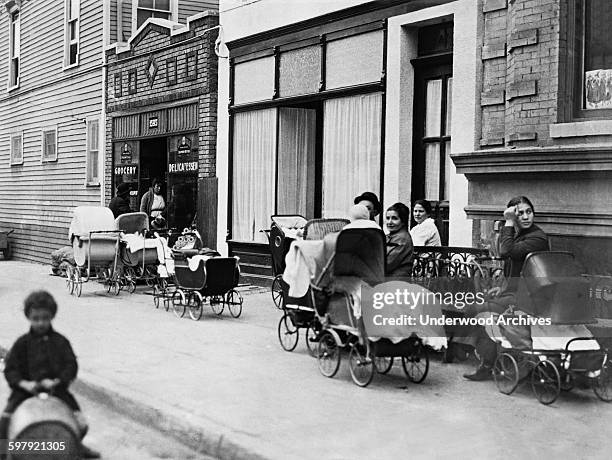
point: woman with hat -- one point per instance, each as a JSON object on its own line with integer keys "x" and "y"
{"x": 121, "y": 203}
{"x": 370, "y": 201}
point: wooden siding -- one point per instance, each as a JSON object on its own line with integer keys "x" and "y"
{"x": 188, "y": 8}
{"x": 37, "y": 199}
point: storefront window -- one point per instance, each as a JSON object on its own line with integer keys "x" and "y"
{"x": 125, "y": 168}
{"x": 182, "y": 180}
{"x": 597, "y": 55}
{"x": 254, "y": 80}
{"x": 254, "y": 156}
{"x": 351, "y": 150}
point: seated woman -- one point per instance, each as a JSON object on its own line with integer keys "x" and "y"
{"x": 519, "y": 237}
{"x": 425, "y": 232}
{"x": 400, "y": 250}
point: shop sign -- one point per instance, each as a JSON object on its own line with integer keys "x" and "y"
{"x": 184, "y": 146}
{"x": 153, "y": 122}
{"x": 126, "y": 153}
{"x": 183, "y": 167}
{"x": 129, "y": 170}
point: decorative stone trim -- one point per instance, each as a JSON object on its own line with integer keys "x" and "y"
{"x": 521, "y": 89}
{"x": 581, "y": 128}
{"x": 494, "y": 5}
{"x": 492, "y": 97}
{"x": 492, "y": 141}
{"x": 523, "y": 38}
{"x": 494, "y": 50}
{"x": 523, "y": 136}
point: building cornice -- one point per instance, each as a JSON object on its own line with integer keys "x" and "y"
{"x": 534, "y": 160}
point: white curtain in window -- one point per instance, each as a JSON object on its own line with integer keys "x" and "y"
{"x": 433, "y": 111}
{"x": 432, "y": 171}
{"x": 296, "y": 161}
{"x": 351, "y": 150}
{"x": 253, "y": 173}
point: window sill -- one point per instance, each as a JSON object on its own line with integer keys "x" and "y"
{"x": 92, "y": 184}
{"x": 12, "y": 88}
{"x": 70, "y": 67}
{"x": 581, "y": 129}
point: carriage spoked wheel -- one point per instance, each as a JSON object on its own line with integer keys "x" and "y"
{"x": 167, "y": 298}
{"x": 603, "y": 384}
{"x": 288, "y": 333}
{"x": 311, "y": 341}
{"x": 361, "y": 366}
{"x": 277, "y": 292}
{"x": 546, "y": 382}
{"x": 216, "y": 304}
{"x": 116, "y": 287}
{"x": 233, "y": 300}
{"x": 416, "y": 364}
{"x": 383, "y": 364}
{"x": 69, "y": 280}
{"x": 179, "y": 304}
{"x": 328, "y": 355}
{"x": 506, "y": 373}
{"x": 194, "y": 305}
{"x": 77, "y": 282}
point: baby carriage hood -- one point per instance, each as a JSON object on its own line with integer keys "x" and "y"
{"x": 361, "y": 253}
{"x": 552, "y": 286}
{"x": 133, "y": 222}
{"x": 87, "y": 219}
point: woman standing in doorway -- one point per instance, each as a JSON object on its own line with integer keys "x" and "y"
{"x": 153, "y": 204}
{"x": 425, "y": 232}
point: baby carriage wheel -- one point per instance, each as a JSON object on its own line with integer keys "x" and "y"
{"x": 194, "y": 304}
{"x": 506, "y": 373}
{"x": 277, "y": 292}
{"x": 69, "y": 281}
{"x": 383, "y": 364}
{"x": 233, "y": 300}
{"x": 288, "y": 334}
{"x": 603, "y": 384}
{"x": 361, "y": 366}
{"x": 216, "y": 304}
{"x": 311, "y": 341}
{"x": 328, "y": 355}
{"x": 546, "y": 382}
{"x": 77, "y": 281}
{"x": 116, "y": 287}
{"x": 416, "y": 364}
{"x": 178, "y": 304}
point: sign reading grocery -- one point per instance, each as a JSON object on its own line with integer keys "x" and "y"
{"x": 129, "y": 170}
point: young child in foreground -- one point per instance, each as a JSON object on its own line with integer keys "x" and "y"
{"x": 42, "y": 361}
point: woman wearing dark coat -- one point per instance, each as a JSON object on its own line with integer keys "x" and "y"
{"x": 121, "y": 203}
{"x": 519, "y": 237}
{"x": 400, "y": 250}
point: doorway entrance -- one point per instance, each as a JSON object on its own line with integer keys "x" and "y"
{"x": 153, "y": 164}
{"x": 433, "y": 85}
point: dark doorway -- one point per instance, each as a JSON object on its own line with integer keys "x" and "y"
{"x": 433, "y": 80}
{"x": 153, "y": 164}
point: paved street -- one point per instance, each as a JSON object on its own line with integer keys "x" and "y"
{"x": 225, "y": 386}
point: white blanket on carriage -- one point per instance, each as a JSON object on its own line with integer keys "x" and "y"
{"x": 194, "y": 261}
{"x": 302, "y": 262}
{"x": 135, "y": 242}
{"x": 554, "y": 337}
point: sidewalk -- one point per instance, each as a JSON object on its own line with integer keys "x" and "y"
{"x": 225, "y": 387}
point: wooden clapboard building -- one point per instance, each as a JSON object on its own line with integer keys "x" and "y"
{"x": 161, "y": 118}
{"x": 53, "y": 111}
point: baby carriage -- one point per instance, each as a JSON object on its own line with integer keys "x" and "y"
{"x": 560, "y": 353}
{"x": 283, "y": 231}
{"x": 94, "y": 242}
{"x": 359, "y": 257}
{"x": 200, "y": 275}
{"x": 298, "y": 312}
{"x": 137, "y": 253}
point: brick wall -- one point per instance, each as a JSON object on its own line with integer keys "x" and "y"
{"x": 155, "y": 45}
{"x": 520, "y": 72}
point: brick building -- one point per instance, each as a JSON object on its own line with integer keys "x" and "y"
{"x": 545, "y": 127}
{"x": 161, "y": 108}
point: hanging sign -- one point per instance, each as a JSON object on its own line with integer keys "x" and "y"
{"x": 153, "y": 122}
{"x": 184, "y": 146}
{"x": 126, "y": 153}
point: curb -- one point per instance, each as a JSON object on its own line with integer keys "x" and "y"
{"x": 176, "y": 425}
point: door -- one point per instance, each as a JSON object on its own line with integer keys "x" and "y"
{"x": 432, "y": 141}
